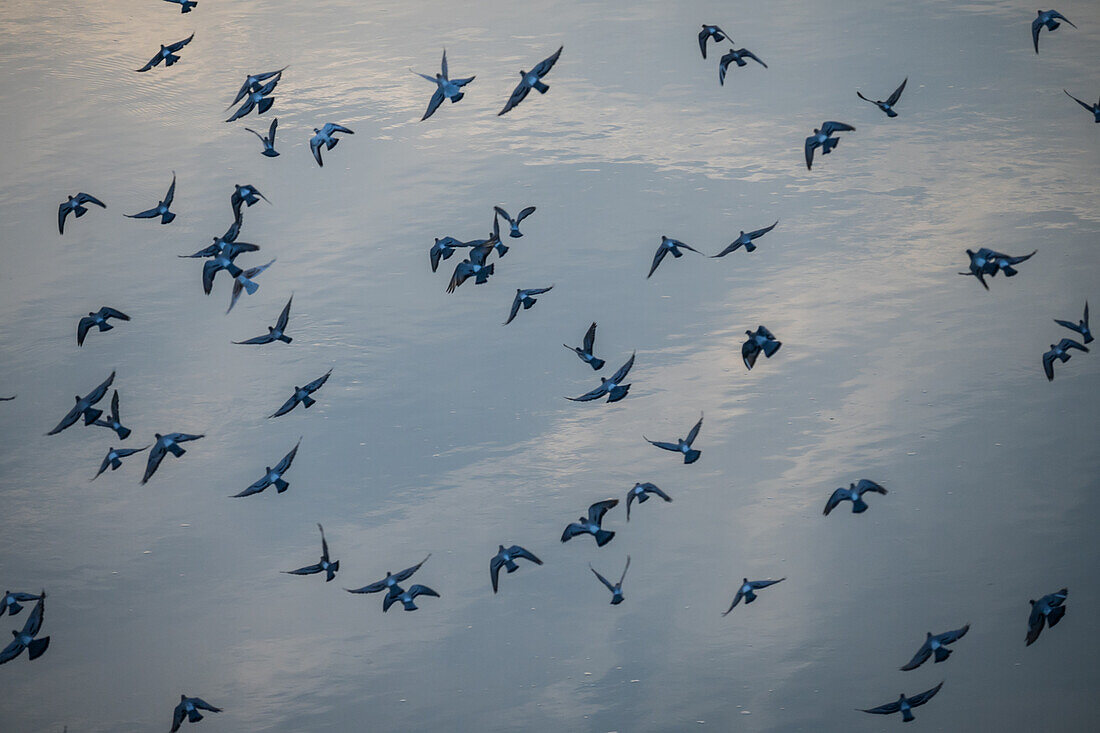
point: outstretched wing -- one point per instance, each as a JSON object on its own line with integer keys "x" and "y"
{"x": 147, "y": 214}
{"x": 516, "y": 302}
{"x": 307, "y": 570}
{"x": 545, "y": 65}
{"x": 180, "y": 44}
{"x": 838, "y": 496}
{"x": 919, "y": 658}
{"x": 433, "y": 103}
{"x": 736, "y": 599}
{"x": 171, "y": 195}
{"x": 830, "y": 127}
{"x": 887, "y": 709}
{"x": 811, "y": 143}
{"x": 284, "y": 464}
{"x": 525, "y": 213}
{"x": 287, "y": 406}
{"x": 694, "y": 431}
{"x": 316, "y": 384}
{"x": 324, "y": 543}
{"x": 1075, "y": 99}
{"x": 925, "y": 696}
{"x": 517, "y": 551}
{"x": 664, "y": 446}
{"x": 255, "y": 488}
{"x": 762, "y": 232}
{"x": 605, "y": 581}
{"x": 757, "y": 584}
{"x": 893, "y": 99}
{"x": 600, "y": 508}
{"x": 407, "y": 572}
{"x": 590, "y": 338}
{"x": 572, "y": 530}
{"x": 284, "y": 317}
{"x": 111, "y": 312}
{"x": 950, "y": 637}
{"x": 623, "y": 370}
{"x": 594, "y": 394}
{"x": 662, "y": 250}
{"x": 866, "y": 485}
{"x": 518, "y": 95}
{"x": 265, "y": 339}
{"x": 204, "y": 705}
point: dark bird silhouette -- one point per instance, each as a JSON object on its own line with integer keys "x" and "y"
{"x": 8, "y": 399}
{"x": 668, "y": 245}
{"x": 1094, "y": 108}
{"x": 748, "y": 589}
{"x": 526, "y": 299}
{"x": 736, "y": 56}
{"x": 165, "y": 444}
{"x": 744, "y": 239}
{"x": 709, "y": 32}
{"x": 25, "y": 639}
{"x": 114, "y": 421}
{"x": 302, "y": 395}
{"x": 98, "y": 318}
{"x": 252, "y": 81}
{"x": 905, "y": 705}
{"x": 162, "y": 207}
{"x": 324, "y": 136}
{"x": 258, "y": 98}
{"x": 854, "y": 493}
{"x": 592, "y": 525}
{"x": 531, "y": 80}
{"x": 584, "y": 351}
{"x": 189, "y": 708}
{"x": 114, "y": 459}
{"x": 446, "y": 88}
{"x": 391, "y": 582}
{"x": 1048, "y": 610}
{"x": 762, "y": 340}
{"x": 167, "y": 54}
{"x": 616, "y": 588}
{"x": 268, "y": 140}
{"x": 185, "y": 5}
{"x": 641, "y": 492}
{"x": 474, "y": 265}
{"x": 1081, "y": 327}
{"x": 274, "y": 476}
{"x": 823, "y": 138}
{"x": 682, "y": 445}
{"x": 515, "y": 233}
{"x": 247, "y": 195}
{"x": 1050, "y": 19}
{"x": 406, "y": 597}
{"x": 935, "y": 645}
{"x": 324, "y": 566}
{"x": 1059, "y": 351}
{"x": 507, "y": 559}
{"x": 276, "y": 333}
{"x": 443, "y": 249}
{"x": 84, "y": 406}
{"x": 75, "y": 205}
{"x": 10, "y": 603}
{"x": 246, "y": 282}
{"x": 888, "y": 105}
{"x": 613, "y": 387}
{"x": 988, "y": 262}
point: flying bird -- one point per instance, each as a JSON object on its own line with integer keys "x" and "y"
{"x": 593, "y": 524}
{"x": 762, "y": 340}
{"x": 736, "y": 56}
{"x": 443, "y": 248}
{"x": 161, "y": 209}
{"x": 276, "y": 333}
{"x": 324, "y": 136}
{"x": 84, "y": 405}
{"x": 1094, "y": 108}
{"x": 748, "y": 589}
{"x": 531, "y": 80}
{"x": 1048, "y": 610}
{"x": 1081, "y": 327}
{"x": 114, "y": 421}
{"x": 1059, "y": 351}
{"x": 185, "y": 5}
{"x": 854, "y": 493}
{"x": 406, "y": 597}
{"x": 446, "y": 88}
{"x": 888, "y": 105}
{"x": 616, "y": 588}
{"x": 613, "y": 387}
{"x": 987, "y": 262}
{"x": 245, "y": 281}
{"x": 164, "y": 445}
{"x": 274, "y": 476}
{"x": 189, "y": 708}
{"x": 514, "y": 223}
{"x": 584, "y": 351}
{"x": 114, "y": 459}
{"x": 246, "y": 194}
{"x": 302, "y": 395}
{"x": 744, "y": 239}
{"x": 25, "y": 639}
{"x": 75, "y": 205}
{"x": 905, "y": 705}
{"x": 253, "y": 80}
{"x": 1050, "y": 19}
{"x": 10, "y": 603}
{"x": 668, "y": 245}
{"x": 935, "y": 645}
{"x": 682, "y": 445}
{"x": 268, "y": 140}
{"x": 709, "y": 32}
{"x": 474, "y": 266}
{"x": 167, "y": 54}
{"x": 823, "y": 138}
{"x": 329, "y": 568}
{"x": 98, "y": 318}
{"x": 526, "y": 299}
{"x": 641, "y": 492}
{"x": 258, "y": 98}
{"x": 507, "y": 559}
{"x": 390, "y": 583}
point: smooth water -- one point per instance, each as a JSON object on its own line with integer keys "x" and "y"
{"x": 442, "y": 432}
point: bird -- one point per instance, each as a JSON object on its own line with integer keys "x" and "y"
{"x": 113, "y": 421}
{"x": 251, "y": 81}
{"x": 905, "y": 705}
{"x": 823, "y": 138}
{"x": 584, "y": 351}
{"x": 75, "y": 205}
{"x": 525, "y": 297}
{"x": 185, "y": 5}
{"x": 221, "y": 244}
{"x": 935, "y": 645}
{"x": 744, "y": 239}
{"x": 324, "y": 136}
{"x": 1081, "y": 327}
{"x": 167, "y": 54}
{"x": 617, "y": 588}
{"x": 474, "y": 265}
{"x": 762, "y": 340}
{"x": 276, "y": 333}
{"x": 189, "y": 708}
{"x": 748, "y": 589}
{"x": 98, "y": 318}
{"x": 161, "y": 209}
{"x": 1048, "y": 610}
{"x": 165, "y": 444}
{"x": 268, "y": 140}
{"x": 10, "y": 603}
{"x": 668, "y": 245}
{"x": 888, "y": 105}
{"x": 988, "y": 262}
{"x": 446, "y": 88}
{"x": 8, "y": 399}
{"x": 641, "y": 492}
{"x": 1050, "y": 19}
{"x": 443, "y": 248}
{"x": 302, "y": 395}
{"x": 531, "y": 80}
{"x": 25, "y": 639}
{"x": 592, "y": 524}
{"x": 1094, "y": 108}
{"x": 736, "y": 56}
{"x": 84, "y": 405}
{"x": 245, "y": 281}
{"x": 258, "y": 98}
{"x": 854, "y": 493}
{"x": 1059, "y": 351}
{"x": 514, "y": 223}
{"x": 612, "y": 387}
{"x": 683, "y": 445}
{"x": 246, "y": 194}
{"x": 709, "y": 32}
{"x": 507, "y": 559}
{"x": 273, "y": 476}
{"x": 1004, "y": 263}
{"x": 114, "y": 459}
{"x": 329, "y": 568}
{"x": 406, "y": 597}
{"x": 391, "y": 581}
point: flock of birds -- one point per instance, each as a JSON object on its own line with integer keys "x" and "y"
{"x": 256, "y": 95}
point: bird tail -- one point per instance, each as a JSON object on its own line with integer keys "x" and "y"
{"x": 540, "y": 87}
{"x": 618, "y": 393}
{"x": 597, "y": 364}
{"x": 691, "y": 456}
{"x": 891, "y": 113}
{"x": 105, "y": 326}
{"x": 942, "y": 653}
{"x": 859, "y": 505}
{"x": 502, "y": 249}
{"x": 771, "y": 347}
{"x": 123, "y": 433}
{"x": 38, "y": 647}
{"x": 829, "y": 144}
{"x": 906, "y": 716}
{"x": 1056, "y": 615}
{"x": 91, "y": 415}
{"x": 750, "y": 247}
{"x": 193, "y": 715}
{"x": 1009, "y": 271}
{"x": 285, "y": 339}
{"x": 603, "y": 536}
{"x": 167, "y": 217}
{"x": 116, "y": 464}
{"x": 171, "y": 59}
{"x": 457, "y": 97}
{"x": 176, "y": 450}
{"x": 13, "y": 609}
{"x": 250, "y": 286}
{"x": 528, "y": 302}
{"x": 265, "y": 104}
{"x": 281, "y": 486}
{"x": 331, "y": 572}
{"x": 1052, "y": 24}
{"x": 308, "y": 401}
{"x": 409, "y": 605}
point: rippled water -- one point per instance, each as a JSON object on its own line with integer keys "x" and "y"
{"x": 442, "y": 432}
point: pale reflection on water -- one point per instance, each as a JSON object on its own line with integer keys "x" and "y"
{"x": 442, "y": 432}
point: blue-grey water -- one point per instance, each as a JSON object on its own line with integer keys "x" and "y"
{"x": 442, "y": 432}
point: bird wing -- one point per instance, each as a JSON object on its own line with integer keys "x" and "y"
{"x": 516, "y": 302}
{"x": 518, "y": 95}
{"x": 155, "y": 457}
{"x": 736, "y": 599}
{"x": 866, "y": 485}
{"x": 924, "y": 697}
{"x": 103, "y": 466}
{"x": 82, "y": 329}
{"x": 751, "y": 55}
{"x": 503, "y": 213}
{"x": 316, "y": 384}
{"x": 838, "y": 496}
{"x": 749, "y": 352}
{"x": 99, "y": 392}
{"x": 68, "y": 420}
{"x": 887, "y": 709}
{"x": 600, "y": 508}
{"x": 590, "y": 338}
{"x": 111, "y": 312}
{"x": 243, "y": 110}
{"x": 950, "y": 637}
{"x": 271, "y": 130}
{"x": 168, "y": 198}
{"x": 1035, "y": 26}
{"x": 1048, "y": 364}
{"x": 180, "y": 44}
{"x": 893, "y": 99}
{"x": 422, "y": 590}
{"x": 732, "y": 247}
{"x": 147, "y": 214}
{"x": 830, "y": 127}
{"x": 1075, "y": 99}
{"x": 11, "y": 651}
{"x": 34, "y": 621}
{"x": 586, "y": 397}
{"x": 703, "y": 41}
{"x": 209, "y": 270}
{"x": 284, "y": 317}
{"x": 665, "y": 446}
{"x": 495, "y": 563}
{"x": 654, "y": 489}
{"x": 539, "y": 291}
{"x": 372, "y": 588}
{"x": 525, "y": 213}
{"x": 919, "y": 658}
{"x": 315, "y": 144}
{"x": 151, "y": 63}
{"x": 287, "y": 406}
{"x": 623, "y": 576}
{"x": 462, "y": 271}
{"x": 407, "y": 572}
{"x": 324, "y": 543}
{"x": 123, "y": 452}
{"x": 87, "y": 198}
{"x": 544, "y": 66}
{"x": 517, "y": 551}
{"x": 762, "y": 232}
{"x": 433, "y": 103}
{"x": 623, "y": 370}
{"x": 307, "y": 570}
{"x": 1071, "y": 344}
{"x": 62, "y": 212}
{"x": 265, "y": 339}
{"x": 255, "y": 488}
{"x": 204, "y": 705}
{"x": 605, "y": 581}
{"x": 572, "y": 530}
{"x": 177, "y": 717}
{"x": 284, "y": 464}
{"x": 694, "y": 431}
{"x": 811, "y": 144}
{"x": 1056, "y": 14}
{"x": 757, "y": 584}
{"x": 340, "y": 128}
{"x": 864, "y": 98}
